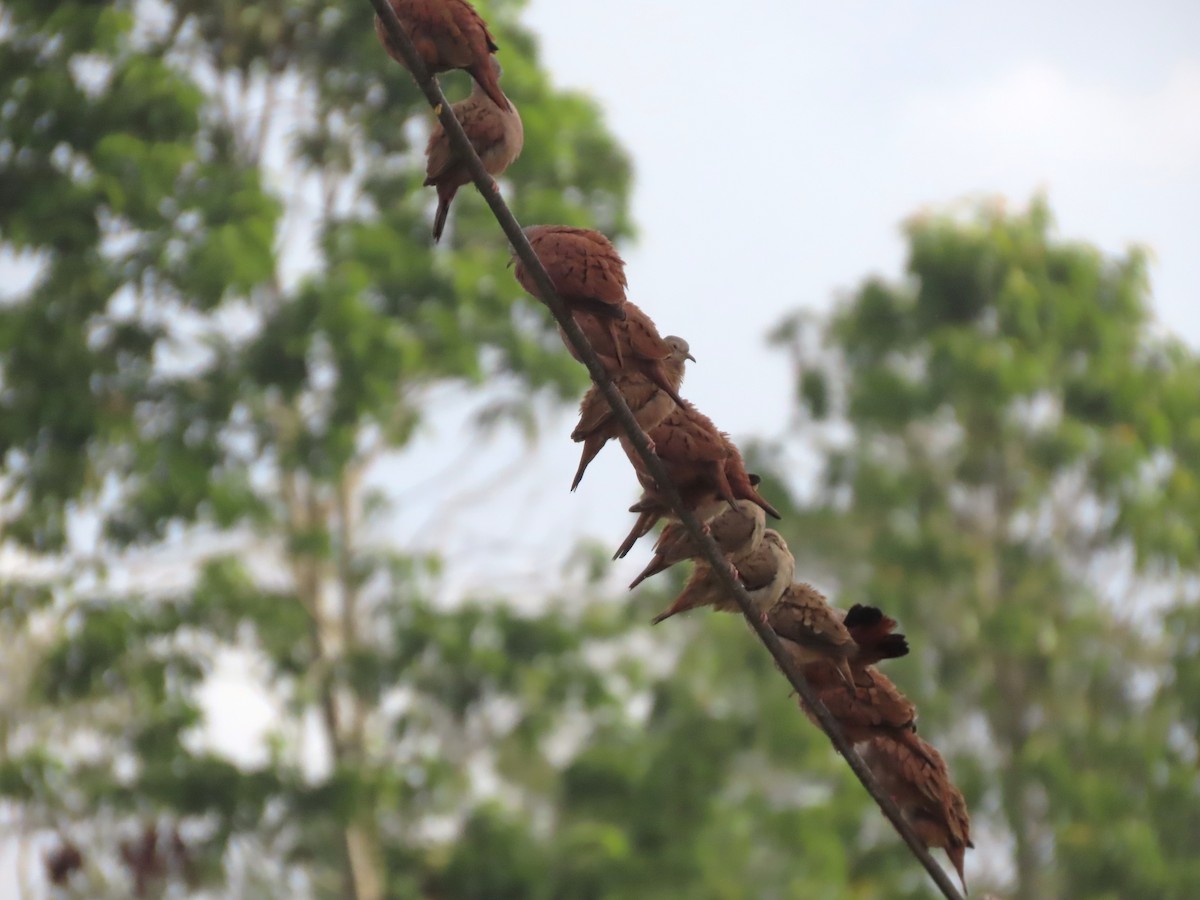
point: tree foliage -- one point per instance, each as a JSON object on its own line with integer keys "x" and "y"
{"x": 229, "y": 311}
{"x": 1009, "y": 457}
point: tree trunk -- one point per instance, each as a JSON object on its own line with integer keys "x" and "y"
{"x": 333, "y": 636}
{"x": 362, "y": 845}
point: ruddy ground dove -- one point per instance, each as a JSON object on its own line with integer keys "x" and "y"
{"x": 700, "y": 498}
{"x": 496, "y": 134}
{"x": 765, "y": 574}
{"x": 917, "y": 778}
{"x": 872, "y": 704}
{"x": 812, "y": 630}
{"x": 648, "y": 403}
{"x": 697, "y": 457}
{"x": 587, "y": 272}
{"x": 589, "y": 277}
{"x": 448, "y": 34}
{"x": 871, "y": 707}
{"x": 630, "y": 344}
{"x": 738, "y": 531}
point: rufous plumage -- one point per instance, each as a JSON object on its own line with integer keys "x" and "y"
{"x": 447, "y": 34}
{"x": 812, "y": 630}
{"x": 765, "y": 574}
{"x": 738, "y": 530}
{"x": 648, "y": 403}
{"x": 585, "y": 269}
{"x": 871, "y": 704}
{"x": 701, "y": 499}
{"x": 652, "y": 507}
{"x": 916, "y": 776}
{"x": 495, "y": 132}
{"x": 631, "y": 344}
{"x": 697, "y": 458}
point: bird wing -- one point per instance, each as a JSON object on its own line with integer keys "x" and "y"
{"x": 594, "y": 413}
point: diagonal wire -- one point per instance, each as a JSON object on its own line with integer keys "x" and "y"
{"x": 709, "y": 550}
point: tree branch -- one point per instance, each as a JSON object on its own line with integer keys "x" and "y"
{"x": 710, "y": 552}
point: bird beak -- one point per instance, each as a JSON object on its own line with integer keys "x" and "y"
{"x": 692, "y": 358}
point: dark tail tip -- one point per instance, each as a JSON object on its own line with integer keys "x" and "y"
{"x": 766, "y": 506}
{"x": 652, "y": 569}
{"x": 590, "y": 451}
{"x": 439, "y": 219}
{"x": 893, "y": 647}
{"x": 624, "y": 549}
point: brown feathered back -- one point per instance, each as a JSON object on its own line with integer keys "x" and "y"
{"x": 447, "y": 34}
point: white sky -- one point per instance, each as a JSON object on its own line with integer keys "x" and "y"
{"x": 778, "y": 144}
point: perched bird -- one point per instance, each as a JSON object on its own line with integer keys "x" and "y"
{"x": 448, "y": 34}
{"x": 871, "y": 704}
{"x": 697, "y": 458}
{"x": 587, "y": 272}
{"x": 631, "y": 344}
{"x": 648, "y": 403}
{"x": 917, "y": 779}
{"x": 496, "y": 134}
{"x": 652, "y": 507}
{"x": 870, "y": 707}
{"x": 701, "y": 499}
{"x": 738, "y": 531}
{"x": 812, "y": 630}
{"x": 764, "y": 573}
{"x": 589, "y": 277}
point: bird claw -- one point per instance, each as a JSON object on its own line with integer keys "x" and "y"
{"x": 651, "y": 445}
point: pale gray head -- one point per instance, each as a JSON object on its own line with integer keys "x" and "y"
{"x": 679, "y": 348}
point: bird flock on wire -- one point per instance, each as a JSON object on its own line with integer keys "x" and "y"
{"x": 837, "y": 650}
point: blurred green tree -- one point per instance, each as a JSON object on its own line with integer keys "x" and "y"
{"x": 224, "y": 308}
{"x": 1010, "y": 459}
